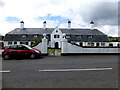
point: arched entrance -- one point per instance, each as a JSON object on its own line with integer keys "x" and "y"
{"x": 56, "y": 45}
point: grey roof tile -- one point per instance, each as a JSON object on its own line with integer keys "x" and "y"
{"x": 16, "y": 33}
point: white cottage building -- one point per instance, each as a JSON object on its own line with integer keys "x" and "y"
{"x": 80, "y": 36}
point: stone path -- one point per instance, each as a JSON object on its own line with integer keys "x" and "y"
{"x": 55, "y": 53}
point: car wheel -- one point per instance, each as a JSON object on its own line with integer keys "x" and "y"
{"x": 32, "y": 56}
{"x": 6, "y": 57}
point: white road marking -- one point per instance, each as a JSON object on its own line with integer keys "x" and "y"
{"x": 5, "y": 71}
{"x": 65, "y": 70}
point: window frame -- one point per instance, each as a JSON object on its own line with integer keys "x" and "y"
{"x": 90, "y": 36}
{"x": 68, "y": 36}
{"x": 56, "y": 36}
{"x": 78, "y": 36}
{"x": 24, "y": 35}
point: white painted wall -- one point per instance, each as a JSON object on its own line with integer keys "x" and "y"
{"x": 53, "y": 40}
{"x": 42, "y": 46}
{"x": 115, "y": 43}
{"x": 18, "y": 42}
{"x": 69, "y": 48}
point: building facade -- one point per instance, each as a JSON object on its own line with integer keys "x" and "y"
{"x": 80, "y": 36}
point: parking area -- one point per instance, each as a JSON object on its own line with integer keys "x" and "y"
{"x": 83, "y": 71}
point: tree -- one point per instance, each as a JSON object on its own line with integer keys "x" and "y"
{"x": 36, "y": 42}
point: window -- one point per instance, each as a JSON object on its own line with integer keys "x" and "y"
{"x": 23, "y": 36}
{"x": 21, "y": 42}
{"x": 56, "y": 31}
{"x": 14, "y": 47}
{"x": 90, "y": 44}
{"x": 102, "y": 44}
{"x": 56, "y": 36}
{"x": 81, "y": 44}
{"x": 15, "y": 42}
{"x": 97, "y": 44}
{"x": 90, "y": 37}
{"x": 118, "y": 44}
{"x": 78, "y": 36}
{"x": 35, "y": 36}
{"x": 111, "y": 45}
{"x": 68, "y": 36}
{"x": 9, "y": 43}
{"x": 31, "y": 43}
{"x": 26, "y": 43}
{"x": 20, "y": 47}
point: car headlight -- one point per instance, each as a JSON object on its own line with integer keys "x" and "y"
{"x": 37, "y": 51}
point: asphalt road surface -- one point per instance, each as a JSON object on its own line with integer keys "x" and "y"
{"x": 84, "y": 71}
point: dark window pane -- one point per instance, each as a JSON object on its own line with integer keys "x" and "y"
{"x": 9, "y": 43}
{"x": 56, "y": 36}
{"x": 15, "y": 42}
{"x": 12, "y": 47}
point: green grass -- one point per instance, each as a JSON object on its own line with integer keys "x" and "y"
{"x": 52, "y": 50}
{"x": 59, "y": 50}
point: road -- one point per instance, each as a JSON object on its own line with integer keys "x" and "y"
{"x": 28, "y": 73}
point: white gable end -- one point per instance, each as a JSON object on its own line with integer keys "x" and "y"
{"x": 56, "y": 37}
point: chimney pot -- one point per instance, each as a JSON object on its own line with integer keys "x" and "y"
{"x": 69, "y": 25}
{"x": 44, "y": 25}
{"x": 92, "y": 25}
{"x": 22, "y": 25}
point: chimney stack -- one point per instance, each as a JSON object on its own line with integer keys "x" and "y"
{"x": 69, "y": 24}
{"x": 44, "y": 25}
{"x": 22, "y": 25}
{"x": 92, "y": 25}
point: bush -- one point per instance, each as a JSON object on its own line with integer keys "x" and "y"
{"x": 37, "y": 41}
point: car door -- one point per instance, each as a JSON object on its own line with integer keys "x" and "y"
{"x": 23, "y": 51}
{"x": 13, "y": 50}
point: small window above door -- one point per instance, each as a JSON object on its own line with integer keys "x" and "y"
{"x": 56, "y": 36}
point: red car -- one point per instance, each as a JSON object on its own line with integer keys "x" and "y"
{"x": 20, "y": 51}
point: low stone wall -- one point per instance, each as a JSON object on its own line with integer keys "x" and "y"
{"x": 68, "y": 48}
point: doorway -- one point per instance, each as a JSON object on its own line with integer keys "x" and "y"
{"x": 56, "y": 45}
{"x": 97, "y": 44}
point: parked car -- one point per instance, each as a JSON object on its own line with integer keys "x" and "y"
{"x": 20, "y": 51}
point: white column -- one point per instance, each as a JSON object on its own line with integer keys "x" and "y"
{"x": 64, "y": 44}
{"x": 5, "y": 43}
{"x": 52, "y": 44}
{"x": 44, "y": 45}
{"x": 12, "y": 42}
{"x": 29, "y": 43}
{"x": 18, "y": 42}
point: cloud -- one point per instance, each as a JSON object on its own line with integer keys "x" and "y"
{"x": 103, "y": 13}
{"x": 58, "y": 19}
{"x": 2, "y": 3}
{"x": 56, "y": 13}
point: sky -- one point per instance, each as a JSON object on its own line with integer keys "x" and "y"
{"x": 57, "y": 13}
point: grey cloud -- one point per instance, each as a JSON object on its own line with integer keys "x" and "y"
{"x": 1, "y": 3}
{"x": 103, "y": 13}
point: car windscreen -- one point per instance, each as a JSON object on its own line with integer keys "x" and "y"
{"x": 28, "y": 47}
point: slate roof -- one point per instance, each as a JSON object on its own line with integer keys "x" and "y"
{"x": 74, "y": 31}
{"x": 16, "y": 33}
